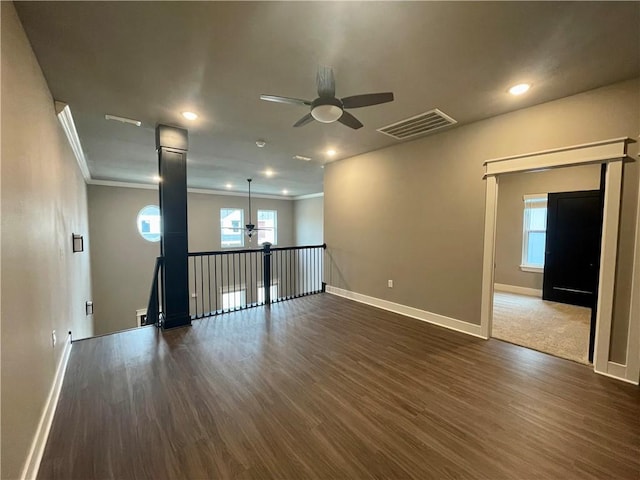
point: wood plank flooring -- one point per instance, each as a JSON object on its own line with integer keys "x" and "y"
{"x": 321, "y": 388}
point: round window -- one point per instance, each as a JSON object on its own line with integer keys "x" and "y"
{"x": 149, "y": 223}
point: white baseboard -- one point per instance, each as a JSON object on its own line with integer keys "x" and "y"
{"x": 532, "y": 292}
{"x": 434, "y": 318}
{"x": 619, "y": 372}
{"x": 32, "y": 464}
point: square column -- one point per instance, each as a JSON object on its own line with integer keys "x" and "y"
{"x": 172, "y": 144}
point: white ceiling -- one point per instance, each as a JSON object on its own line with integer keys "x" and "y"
{"x": 152, "y": 60}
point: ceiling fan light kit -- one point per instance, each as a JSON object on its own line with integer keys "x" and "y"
{"x": 327, "y": 108}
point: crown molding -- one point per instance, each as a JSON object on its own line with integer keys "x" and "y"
{"x": 63, "y": 112}
{"x": 237, "y": 194}
{"x": 147, "y": 186}
{"x": 114, "y": 183}
{"x": 310, "y": 195}
{"x": 66, "y": 120}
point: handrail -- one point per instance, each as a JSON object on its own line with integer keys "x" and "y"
{"x": 250, "y": 250}
{"x": 227, "y": 280}
{"x": 223, "y": 252}
{"x": 323, "y": 246}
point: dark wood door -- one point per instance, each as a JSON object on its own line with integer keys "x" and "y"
{"x": 572, "y": 252}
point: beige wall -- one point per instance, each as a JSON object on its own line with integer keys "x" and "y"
{"x": 414, "y": 212}
{"x": 44, "y": 284}
{"x": 308, "y": 215}
{"x": 204, "y": 219}
{"x": 122, "y": 261}
{"x": 511, "y": 190}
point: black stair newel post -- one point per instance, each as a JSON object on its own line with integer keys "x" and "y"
{"x": 266, "y": 272}
{"x": 172, "y": 144}
{"x": 324, "y": 284}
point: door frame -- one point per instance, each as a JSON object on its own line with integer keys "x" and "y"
{"x": 611, "y": 153}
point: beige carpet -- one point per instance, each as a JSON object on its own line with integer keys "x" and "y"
{"x": 556, "y": 328}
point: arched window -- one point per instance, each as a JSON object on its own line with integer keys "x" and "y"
{"x": 149, "y": 223}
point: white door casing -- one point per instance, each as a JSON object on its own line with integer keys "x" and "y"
{"x": 612, "y": 153}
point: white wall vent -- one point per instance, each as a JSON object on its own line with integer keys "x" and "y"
{"x": 421, "y": 124}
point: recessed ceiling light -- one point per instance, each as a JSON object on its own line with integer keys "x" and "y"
{"x": 285, "y": 192}
{"x": 260, "y": 143}
{"x": 228, "y": 185}
{"x": 268, "y": 172}
{"x": 519, "y": 89}
{"x": 189, "y": 115}
{"x": 331, "y": 152}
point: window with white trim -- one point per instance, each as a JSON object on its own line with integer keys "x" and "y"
{"x": 231, "y": 227}
{"x": 267, "y": 226}
{"x": 534, "y": 232}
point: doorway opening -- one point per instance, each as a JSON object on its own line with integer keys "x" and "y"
{"x": 610, "y": 154}
{"x": 548, "y": 233}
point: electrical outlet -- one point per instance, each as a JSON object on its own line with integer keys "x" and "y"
{"x": 194, "y": 295}
{"x": 390, "y": 283}
{"x": 53, "y": 338}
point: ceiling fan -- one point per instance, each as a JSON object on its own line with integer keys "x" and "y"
{"x": 327, "y": 108}
{"x": 250, "y": 228}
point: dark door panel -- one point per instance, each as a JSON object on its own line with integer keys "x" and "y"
{"x": 572, "y": 252}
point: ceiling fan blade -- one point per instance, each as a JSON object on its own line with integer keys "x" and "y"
{"x": 326, "y": 82}
{"x": 357, "y": 101}
{"x": 304, "y": 120}
{"x": 278, "y": 99}
{"x": 350, "y": 121}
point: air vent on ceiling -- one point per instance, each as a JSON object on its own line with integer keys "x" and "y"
{"x": 421, "y": 124}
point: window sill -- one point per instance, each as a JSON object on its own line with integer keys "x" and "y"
{"x": 529, "y": 268}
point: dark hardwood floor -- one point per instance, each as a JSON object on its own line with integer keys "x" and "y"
{"x": 321, "y": 388}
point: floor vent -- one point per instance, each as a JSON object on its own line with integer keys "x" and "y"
{"x": 422, "y": 124}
